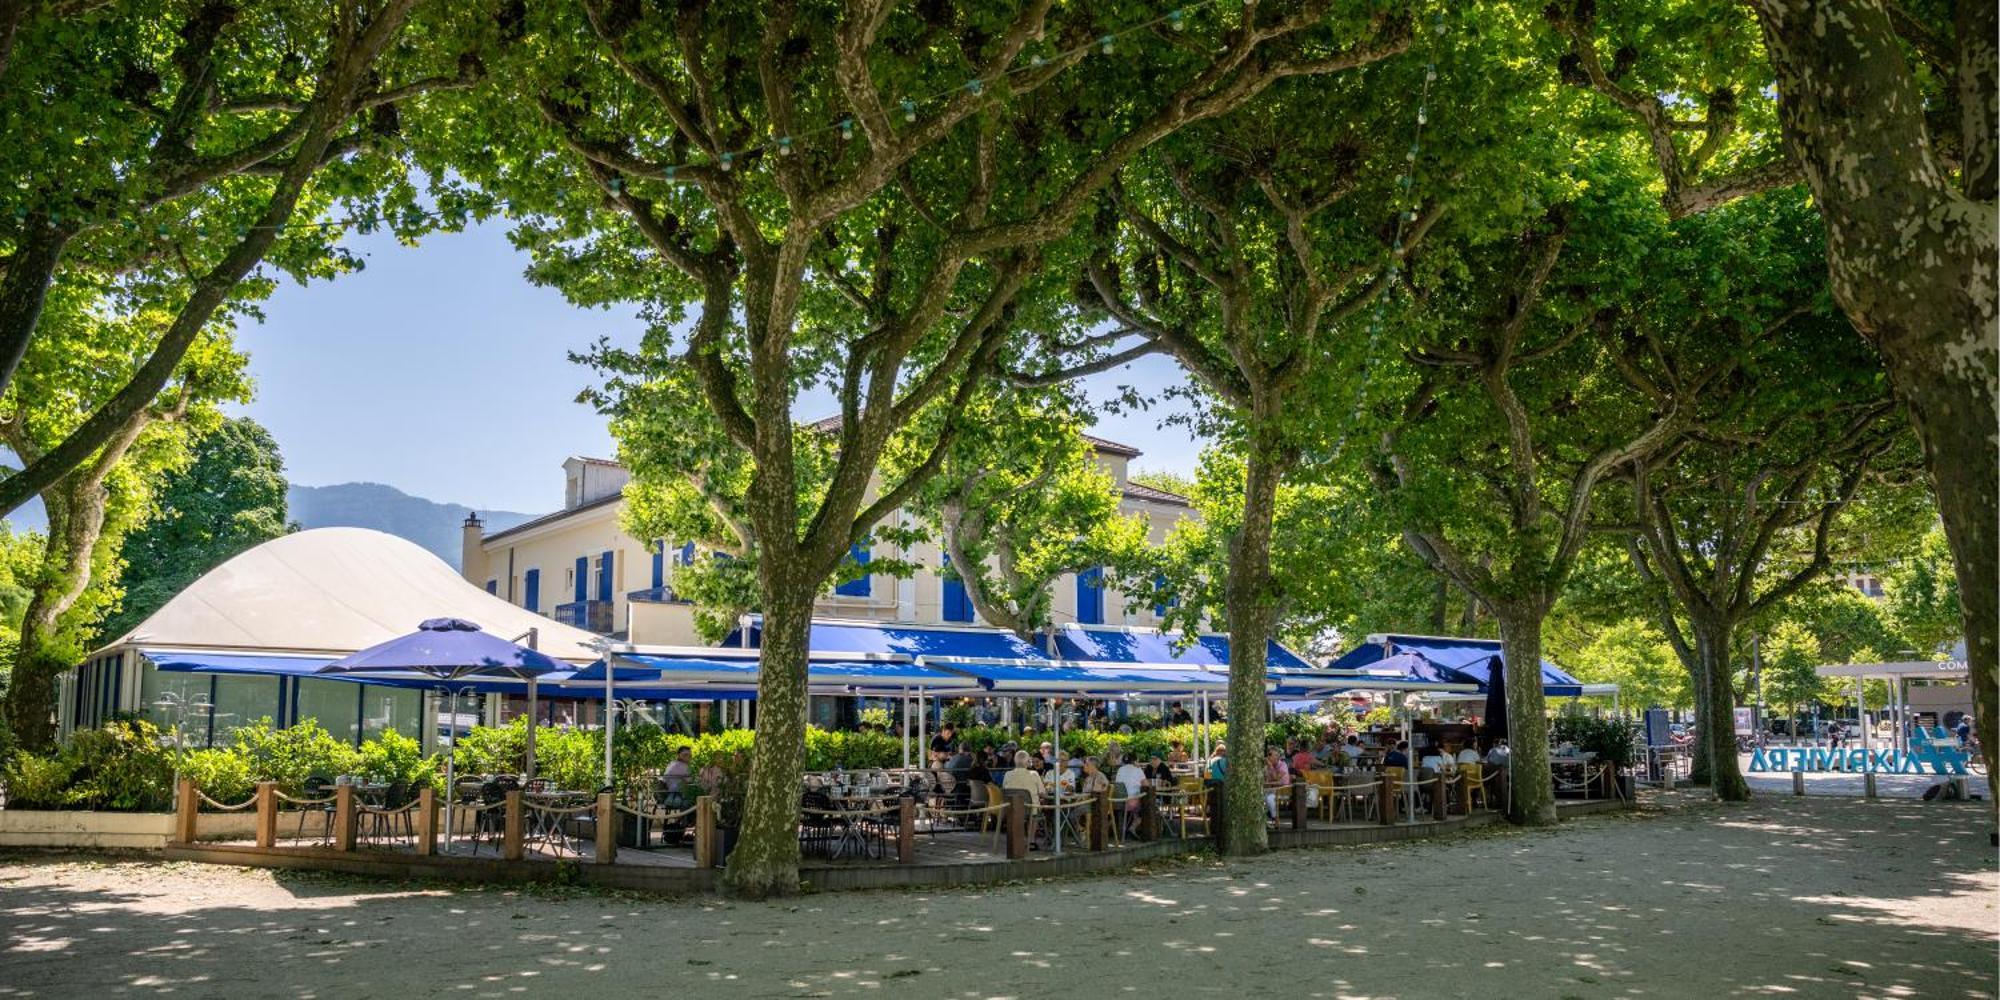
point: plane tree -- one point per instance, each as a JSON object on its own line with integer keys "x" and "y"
{"x": 1887, "y": 114}
{"x": 163, "y": 154}
{"x": 1759, "y": 497}
{"x": 846, "y": 199}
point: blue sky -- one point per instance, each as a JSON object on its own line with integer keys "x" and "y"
{"x": 441, "y": 371}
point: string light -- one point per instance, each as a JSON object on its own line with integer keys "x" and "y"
{"x": 1398, "y": 249}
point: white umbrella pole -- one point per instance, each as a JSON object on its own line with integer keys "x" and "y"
{"x": 533, "y": 721}
{"x": 1409, "y": 768}
{"x": 906, "y": 729}
{"x": 1056, "y": 817}
{"x": 450, "y": 774}
{"x": 610, "y": 714}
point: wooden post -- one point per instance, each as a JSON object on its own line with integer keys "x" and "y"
{"x": 906, "y": 830}
{"x": 1017, "y": 824}
{"x": 427, "y": 822}
{"x": 1301, "y": 809}
{"x": 267, "y": 814}
{"x": 1390, "y": 795}
{"x": 607, "y": 832}
{"x": 187, "y": 806}
{"x": 343, "y": 817}
{"x": 1868, "y": 784}
{"x": 512, "y": 844}
{"x": 1798, "y": 782}
{"x": 1440, "y": 800}
{"x": 1149, "y": 815}
{"x": 1100, "y": 810}
{"x": 706, "y": 849}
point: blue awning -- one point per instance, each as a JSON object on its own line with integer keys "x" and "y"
{"x": 1068, "y": 678}
{"x": 1471, "y": 659}
{"x": 1110, "y": 644}
{"x": 846, "y": 673}
{"x": 308, "y": 665}
{"x": 1328, "y": 683}
{"x": 1276, "y": 656}
{"x": 912, "y": 641}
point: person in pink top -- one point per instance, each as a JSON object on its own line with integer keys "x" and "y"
{"x": 1276, "y": 772}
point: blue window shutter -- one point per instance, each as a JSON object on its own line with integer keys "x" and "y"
{"x": 531, "y": 590}
{"x": 957, "y": 606}
{"x": 860, "y": 586}
{"x": 582, "y": 579}
{"x": 659, "y": 564}
{"x": 687, "y": 554}
{"x": 1160, "y": 584}
{"x": 493, "y": 587}
{"x": 1090, "y": 596}
{"x": 604, "y": 578}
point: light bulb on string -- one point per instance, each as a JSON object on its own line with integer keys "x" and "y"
{"x": 1177, "y": 19}
{"x": 847, "y": 128}
{"x": 1104, "y": 44}
{"x": 784, "y": 145}
{"x": 728, "y": 160}
{"x": 909, "y": 110}
{"x": 974, "y": 86}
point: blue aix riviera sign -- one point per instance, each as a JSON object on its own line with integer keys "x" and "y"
{"x": 1942, "y": 755}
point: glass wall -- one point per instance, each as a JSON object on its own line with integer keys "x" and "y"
{"x": 333, "y": 704}
{"x": 241, "y": 700}
{"x": 387, "y": 708}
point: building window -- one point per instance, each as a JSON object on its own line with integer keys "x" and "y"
{"x": 862, "y": 585}
{"x": 493, "y": 587}
{"x": 531, "y": 590}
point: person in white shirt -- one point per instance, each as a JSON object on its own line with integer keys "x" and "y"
{"x": 1131, "y": 779}
{"x": 1497, "y": 755}
{"x": 1468, "y": 756}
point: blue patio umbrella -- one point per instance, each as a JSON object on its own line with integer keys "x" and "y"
{"x": 453, "y": 649}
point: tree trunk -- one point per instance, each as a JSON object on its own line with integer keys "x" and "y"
{"x": 1533, "y": 790}
{"x": 76, "y": 509}
{"x": 1701, "y": 768}
{"x": 1715, "y": 715}
{"x": 30, "y": 271}
{"x": 1252, "y": 613}
{"x": 1912, "y": 259}
{"x": 765, "y": 861}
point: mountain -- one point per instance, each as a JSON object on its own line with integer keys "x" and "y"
{"x": 431, "y": 524}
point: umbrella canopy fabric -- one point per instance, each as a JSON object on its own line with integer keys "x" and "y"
{"x": 1496, "y": 701}
{"x": 448, "y": 649}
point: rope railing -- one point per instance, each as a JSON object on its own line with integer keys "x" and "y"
{"x": 651, "y": 815}
{"x": 561, "y": 810}
{"x": 282, "y": 797}
{"x": 248, "y": 803}
{"x": 374, "y": 810}
{"x": 851, "y": 813}
{"x": 986, "y": 810}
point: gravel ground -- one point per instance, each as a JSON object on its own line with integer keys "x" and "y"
{"x": 1813, "y": 897}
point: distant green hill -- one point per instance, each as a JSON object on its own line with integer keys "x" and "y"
{"x": 431, "y": 524}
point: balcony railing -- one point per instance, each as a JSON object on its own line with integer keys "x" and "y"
{"x": 594, "y": 616}
{"x": 654, "y": 595}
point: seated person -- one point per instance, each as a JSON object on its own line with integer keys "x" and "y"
{"x": 1175, "y": 754}
{"x": 1398, "y": 757}
{"x": 1046, "y": 756}
{"x": 1093, "y": 780}
{"x": 981, "y": 769}
{"x": 677, "y": 773}
{"x": 1303, "y": 760}
{"x": 1022, "y": 778}
{"x": 1496, "y": 756}
{"x": 1159, "y": 772}
{"x": 1218, "y": 765}
{"x": 1467, "y": 755}
{"x": 710, "y": 777}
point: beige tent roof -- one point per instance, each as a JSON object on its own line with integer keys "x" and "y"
{"x": 336, "y": 590}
